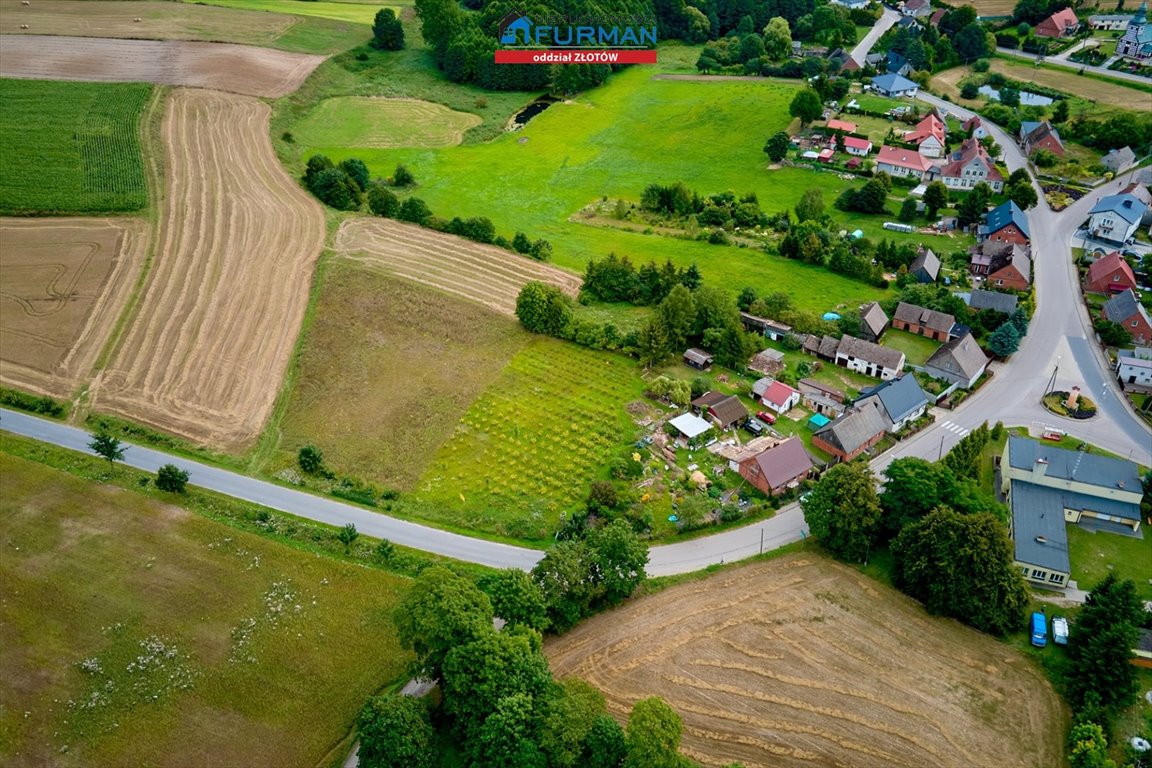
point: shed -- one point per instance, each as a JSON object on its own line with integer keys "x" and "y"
{"x": 690, "y": 425}
{"x": 818, "y": 420}
{"x": 698, "y": 359}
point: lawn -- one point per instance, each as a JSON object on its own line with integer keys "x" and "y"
{"x": 916, "y": 349}
{"x": 359, "y": 121}
{"x": 385, "y": 370}
{"x": 1094, "y": 555}
{"x": 357, "y": 13}
{"x": 530, "y": 445}
{"x": 611, "y": 141}
{"x": 71, "y": 147}
{"x": 138, "y": 633}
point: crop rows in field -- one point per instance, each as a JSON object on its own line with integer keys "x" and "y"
{"x": 71, "y": 147}
{"x": 536, "y": 437}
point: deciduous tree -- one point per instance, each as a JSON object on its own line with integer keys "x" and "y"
{"x": 516, "y": 598}
{"x": 807, "y": 106}
{"x": 347, "y": 536}
{"x": 653, "y": 737}
{"x": 494, "y": 665}
{"x": 382, "y": 201}
{"x": 440, "y": 612}
{"x": 777, "y": 39}
{"x": 811, "y": 205}
{"x": 843, "y": 511}
{"x": 310, "y": 458}
{"x": 935, "y": 198}
{"x": 395, "y": 732}
{"x": 1100, "y": 645}
{"x": 777, "y": 146}
{"x": 107, "y": 446}
{"x": 387, "y": 31}
{"x": 619, "y": 559}
{"x": 543, "y": 308}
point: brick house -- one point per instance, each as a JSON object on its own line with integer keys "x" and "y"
{"x": 923, "y": 322}
{"x": 779, "y": 468}
{"x": 1034, "y": 136}
{"x": 969, "y": 166}
{"x": 852, "y": 433}
{"x": 1110, "y": 274}
{"x": 1124, "y": 309}
{"x": 1005, "y": 223}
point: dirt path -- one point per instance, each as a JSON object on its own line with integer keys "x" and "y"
{"x": 220, "y": 66}
{"x": 205, "y": 354}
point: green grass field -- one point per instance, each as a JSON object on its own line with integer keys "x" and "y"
{"x": 916, "y": 349}
{"x": 355, "y": 12}
{"x": 1094, "y": 555}
{"x": 529, "y": 446}
{"x": 71, "y": 147}
{"x": 138, "y": 633}
{"x": 385, "y": 370}
{"x": 357, "y": 121}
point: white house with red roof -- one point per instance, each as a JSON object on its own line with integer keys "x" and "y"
{"x": 969, "y": 166}
{"x": 841, "y": 125}
{"x": 855, "y": 146}
{"x": 928, "y": 136}
{"x": 780, "y": 397}
{"x": 1063, "y": 23}
{"x": 897, "y": 161}
{"x": 974, "y": 128}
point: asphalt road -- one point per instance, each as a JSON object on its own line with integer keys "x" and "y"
{"x": 1061, "y": 62}
{"x": 886, "y": 21}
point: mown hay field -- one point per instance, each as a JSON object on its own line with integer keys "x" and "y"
{"x": 801, "y": 662}
{"x": 71, "y": 147}
{"x": 137, "y": 633}
{"x": 361, "y": 121}
{"x": 63, "y": 283}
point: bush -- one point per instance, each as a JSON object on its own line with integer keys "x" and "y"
{"x": 414, "y": 210}
{"x": 171, "y": 478}
{"x": 31, "y": 403}
{"x": 310, "y": 458}
{"x": 402, "y": 177}
{"x": 382, "y": 201}
{"x": 969, "y": 91}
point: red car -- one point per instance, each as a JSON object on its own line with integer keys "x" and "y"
{"x": 766, "y": 417}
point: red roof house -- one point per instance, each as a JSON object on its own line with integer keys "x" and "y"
{"x": 777, "y": 468}
{"x": 855, "y": 146}
{"x": 896, "y": 161}
{"x": 1060, "y": 24}
{"x": 780, "y": 397}
{"x": 841, "y": 125}
{"x": 928, "y": 136}
{"x": 1110, "y": 274}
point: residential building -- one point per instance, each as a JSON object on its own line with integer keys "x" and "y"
{"x": 897, "y": 161}
{"x": 1126, "y": 310}
{"x": 1134, "y": 369}
{"x": 1006, "y": 223}
{"x": 720, "y": 409}
{"x": 868, "y": 358}
{"x": 959, "y": 361}
{"x": 698, "y": 359}
{"x": 923, "y": 322}
{"x": 854, "y": 432}
{"x": 873, "y": 322}
{"x": 1116, "y": 218}
{"x": 917, "y": 8}
{"x": 1137, "y": 40}
{"x": 1010, "y": 267}
{"x": 901, "y": 400}
{"x": 1034, "y": 136}
{"x": 980, "y": 300}
{"x": 779, "y": 468}
{"x": 778, "y": 396}
{"x": 928, "y": 136}
{"x": 823, "y": 347}
{"x": 850, "y": 4}
{"x": 925, "y": 267}
{"x": 936, "y": 17}
{"x": 1119, "y": 160}
{"x": 1109, "y": 22}
{"x": 897, "y": 64}
{"x": 858, "y": 147}
{"x": 1110, "y": 274}
{"x": 895, "y": 86}
{"x": 974, "y": 128}
{"x": 910, "y": 25}
{"x": 968, "y": 166}
{"x": 1047, "y": 487}
{"x": 1063, "y": 23}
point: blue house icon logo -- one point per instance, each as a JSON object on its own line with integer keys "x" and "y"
{"x": 513, "y": 23}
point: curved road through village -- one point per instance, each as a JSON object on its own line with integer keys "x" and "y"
{"x": 1059, "y": 339}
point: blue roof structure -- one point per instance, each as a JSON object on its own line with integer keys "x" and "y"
{"x": 1003, "y": 215}
{"x": 900, "y": 397}
{"x": 891, "y": 83}
{"x": 1126, "y": 206}
{"x": 1038, "y": 533}
{"x": 1088, "y": 468}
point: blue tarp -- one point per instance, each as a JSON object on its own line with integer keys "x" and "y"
{"x": 831, "y": 316}
{"x": 818, "y": 420}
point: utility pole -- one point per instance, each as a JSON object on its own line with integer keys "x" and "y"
{"x": 761, "y": 541}
{"x": 1052, "y": 380}
{"x": 940, "y": 454}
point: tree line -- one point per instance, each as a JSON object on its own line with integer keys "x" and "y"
{"x": 614, "y": 278}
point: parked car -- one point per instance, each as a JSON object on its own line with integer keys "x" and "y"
{"x": 755, "y": 426}
{"x": 766, "y": 417}
{"x": 1060, "y": 630}
{"x": 1039, "y": 629}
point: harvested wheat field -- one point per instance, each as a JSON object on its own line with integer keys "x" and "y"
{"x": 62, "y": 285}
{"x": 204, "y": 355}
{"x": 800, "y": 661}
{"x": 483, "y": 273}
{"x": 221, "y": 66}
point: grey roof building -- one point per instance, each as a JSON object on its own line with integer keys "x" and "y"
{"x": 1074, "y": 466}
{"x": 1121, "y": 306}
{"x": 997, "y": 302}
{"x": 902, "y": 400}
{"x": 1119, "y": 159}
{"x": 853, "y": 432}
{"x": 873, "y": 321}
{"x": 925, "y": 267}
{"x": 959, "y": 361}
{"x": 1038, "y": 534}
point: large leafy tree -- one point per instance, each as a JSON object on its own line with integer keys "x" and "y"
{"x": 387, "y": 31}
{"x": 569, "y": 719}
{"x": 1088, "y": 747}
{"x": 569, "y": 587}
{"x": 653, "y": 737}
{"x": 935, "y": 198}
{"x": 107, "y": 446}
{"x": 844, "y": 513}
{"x": 1100, "y": 645}
{"x": 508, "y": 737}
{"x": 440, "y": 612}
{"x": 604, "y": 745}
{"x": 543, "y": 308}
{"x": 777, "y": 39}
{"x": 479, "y": 673}
{"x": 811, "y": 205}
{"x": 973, "y": 207}
{"x": 806, "y": 105}
{"x": 962, "y": 566}
{"x": 516, "y": 598}
{"x": 618, "y": 558}
{"x": 777, "y": 146}
{"x": 395, "y": 732}
{"x": 913, "y": 487}
{"x": 1023, "y": 194}
{"x": 677, "y": 315}
{"x": 964, "y": 458}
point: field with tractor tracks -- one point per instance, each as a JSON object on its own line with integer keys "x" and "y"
{"x": 484, "y": 273}
{"x": 62, "y": 285}
{"x": 801, "y": 662}
{"x": 235, "y": 252}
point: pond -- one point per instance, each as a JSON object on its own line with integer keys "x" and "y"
{"x": 1027, "y": 99}
{"x": 521, "y": 118}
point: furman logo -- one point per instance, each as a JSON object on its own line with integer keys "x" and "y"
{"x": 517, "y": 29}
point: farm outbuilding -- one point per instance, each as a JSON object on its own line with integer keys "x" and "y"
{"x": 690, "y": 425}
{"x": 818, "y": 420}
{"x": 698, "y": 359}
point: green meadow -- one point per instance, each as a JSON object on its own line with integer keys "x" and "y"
{"x": 357, "y": 13}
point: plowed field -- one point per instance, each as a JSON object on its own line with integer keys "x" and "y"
{"x": 221, "y": 66}
{"x": 62, "y": 284}
{"x": 483, "y": 273}
{"x": 206, "y": 351}
{"x": 803, "y": 662}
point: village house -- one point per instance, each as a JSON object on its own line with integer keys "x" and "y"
{"x": 1116, "y": 218}
{"x": 901, "y": 400}
{"x": 1134, "y": 369}
{"x": 917, "y": 8}
{"x": 937, "y": 16}
{"x": 923, "y": 322}
{"x": 974, "y": 128}
{"x": 1034, "y": 136}
{"x": 723, "y": 411}
{"x": 869, "y": 359}
{"x": 769, "y": 362}
{"x": 779, "y": 468}
{"x": 1063, "y": 23}
{"x": 897, "y": 161}
{"x": 1119, "y": 160}
{"x": 897, "y": 64}
{"x": 1110, "y": 274}
{"x": 925, "y": 267}
{"x": 873, "y": 322}
{"x": 981, "y": 300}
{"x": 1006, "y": 223}
{"x": 1126, "y": 310}
{"x": 776, "y": 395}
{"x": 910, "y": 25}
{"x": 969, "y": 166}
{"x": 959, "y": 361}
{"x": 928, "y": 136}
{"x": 895, "y": 86}
{"x": 843, "y": 126}
{"x": 823, "y": 347}
{"x": 698, "y": 359}
{"x": 858, "y": 147}
{"x": 1004, "y": 265}
{"x": 1047, "y": 488}
{"x": 854, "y": 432}
{"x": 1109, "y": 22}
{"x": 1136, "y": 43}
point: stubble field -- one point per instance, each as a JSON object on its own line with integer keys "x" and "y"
{"x": 800, "y": 661}
{"x": 236, "y": 248}
{"x": 222, "y": 66}
{"x": 62, "y": 285}
{"x": 483, "y": 273}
